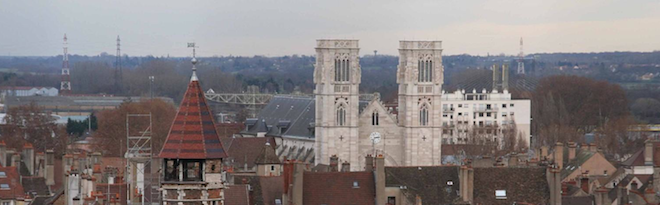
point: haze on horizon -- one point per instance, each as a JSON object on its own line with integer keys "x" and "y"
{"x": 275, "y": 28}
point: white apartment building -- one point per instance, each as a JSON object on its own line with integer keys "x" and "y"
{"x": 484, "y": 114}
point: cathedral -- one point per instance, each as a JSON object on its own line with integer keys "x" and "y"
{"x": 340, "y": 123}
{"x": 350, "y": 130}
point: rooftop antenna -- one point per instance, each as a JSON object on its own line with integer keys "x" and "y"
{"x": 521, "y": 61}
{"x": 65, "y": 85}
{"x": 193, "y": 61}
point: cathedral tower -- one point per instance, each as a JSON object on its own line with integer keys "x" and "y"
{"x": 420, "y": 77}
{"x": 337, "y": 78}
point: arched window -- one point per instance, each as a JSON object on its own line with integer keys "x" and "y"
{"x": 425, "y": 68}
{"x": 341, "y": 116}
{"x": 342, "y": 71}
{"x": 424, "y": 116}
{"x": 374, "y": 118}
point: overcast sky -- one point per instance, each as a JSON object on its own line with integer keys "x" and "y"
{"x": 286, "y": 27}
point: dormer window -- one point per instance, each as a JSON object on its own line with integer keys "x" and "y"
{"x": 4, "y": 187}
{"x": 356, "y": 184}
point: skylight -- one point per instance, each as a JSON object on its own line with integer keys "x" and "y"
{"x": 4, "y": 186}
{"x": 500, "y": 194}
{"x": 3, "y": 175}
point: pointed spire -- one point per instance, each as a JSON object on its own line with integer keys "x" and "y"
{"x": 193, "y": 61}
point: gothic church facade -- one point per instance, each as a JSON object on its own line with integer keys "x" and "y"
{"x": 344, "y": 128}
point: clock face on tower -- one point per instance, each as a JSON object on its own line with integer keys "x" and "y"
{"x": 375, "y": 137}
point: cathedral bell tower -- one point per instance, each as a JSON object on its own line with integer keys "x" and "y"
{"x": 337, "y": 77}
{"x": 420, "y": 78}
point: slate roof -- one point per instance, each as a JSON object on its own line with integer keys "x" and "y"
{"x": 15, "y": 190}
{"x": 193, "y": 134}
{"x": 35, "y": 185}
{"x": 430, "y": 183}
{"x": 297, "y": 112}
{"x": 337, "y": 188}
{"x": 246, "y": 149}
{"x": 237, "y": 194}
{"x": 529, "y": 185}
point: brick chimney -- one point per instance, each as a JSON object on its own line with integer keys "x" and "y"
{"x": 334, "y": 163}
{"x": 559, "y": 155}
{"x": 571, "y": 150}
{"x": 345, "y": 166}
{"x": 648, "y": 152}
{"x": 379, "y": 174}
{"x": 584, "y": 147}
{"x": 584, "y": 184}
{"x": 593, "y": 147}
{"x": 369, "y": 163}
{"x": 49, "y": 173}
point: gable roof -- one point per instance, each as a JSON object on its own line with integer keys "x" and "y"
{"x": 429, "y": 183}
{"x": 193, "y": 133}
{"x": 265, "y": 189}
{"x": 582, "y": 157}
{"x": 637, "y": 159}
{"x": 15, "y": 190}
{"x": 337, "y": 188}
{"x": 527, "y": 184}
{"x": 245, "y": 150}
{"x": 267, "y": 155}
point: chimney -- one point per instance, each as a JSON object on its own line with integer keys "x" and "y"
{"x": 50, "y": 167}
{"x": 584, "y": 147}
{"x": 648, "y": 152}
{"x": 334, "y": 163}
{"x": 584, "y": 184}
{"x": 345, "y": 166}
{"x": 28, "y": 154}
{"x": 505, "y": 77}
{"x": 571, "y": 150}
{"x": 40, "y": 164}
{"x": 593, "y": 147}
{"x": 297, "y": 187}
{"x": 496, "y": 77}
{"x": 381, "y": 197}
{"x": 513, "y": 159}
{"x": 16, "y": 161}
{"x": 466, "y": 177}
{"x": 544, "y": 153}
{"x": 559, "y": 155}
{"x": 369, "y": 163}
{"x": 554, "y": 182}
{"x": 3, "y": 153}
{"x": 9, "y": 155}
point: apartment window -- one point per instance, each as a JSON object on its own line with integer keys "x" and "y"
{"x": 425, "y": 70}
{"x": 481, "y": 114}
{"x": 342, "y": 71}
{"x": 460, "y": 114}
{"x": 511, "y": 105}
{"x": 504, "y": 114}
{"x": 391, "y": 200}
{"x": 503, "y": 105}
{"x": 460, "y": 105}
{"x": 488, "y": 114}
{"x": 424, "y": 116}
{"x": 374, "y": 118}
{"x": 341, "y": 116}
{"x": 467, "y": 105}
{"x": 511, "y": 114}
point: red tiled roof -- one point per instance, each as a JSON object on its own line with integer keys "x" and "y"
{"x": 15, "y": 190}
{"x": 336, "y": 188}
{"x": 193, "y": 134}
